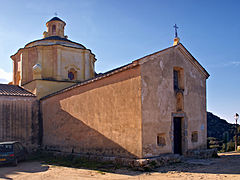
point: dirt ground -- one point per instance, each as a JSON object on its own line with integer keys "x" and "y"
{"x": 225, "y": 167}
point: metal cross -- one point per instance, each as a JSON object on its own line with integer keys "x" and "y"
{"x": 175, "y": 26}
{"x": 55, "y": 14}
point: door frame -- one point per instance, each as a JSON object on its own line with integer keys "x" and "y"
{"x": 177, "y": 135}
{"x": 184, "y": 131}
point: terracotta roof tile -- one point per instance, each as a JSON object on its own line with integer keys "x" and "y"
{"x": 13, "y": 90}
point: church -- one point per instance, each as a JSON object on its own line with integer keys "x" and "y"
{"x": 57, "y": 102}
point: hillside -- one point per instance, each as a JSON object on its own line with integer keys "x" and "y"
{"x": 217, "y": 126}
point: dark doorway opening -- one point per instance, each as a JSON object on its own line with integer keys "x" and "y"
{"x": 177, "y": 123}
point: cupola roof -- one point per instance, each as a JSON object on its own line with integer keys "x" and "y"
{"x": 55, "y": 35}
{"x": 55, "y": 19}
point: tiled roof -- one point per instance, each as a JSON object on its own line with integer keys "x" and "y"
{"x": 13, "y": 90}
{"x": 58, "y": 38}
{"x": 62, "y": 39}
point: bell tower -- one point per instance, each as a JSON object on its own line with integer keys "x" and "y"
{"x": 55, "y": 27}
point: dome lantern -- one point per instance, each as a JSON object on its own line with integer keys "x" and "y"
{"x": 55, "y": 27}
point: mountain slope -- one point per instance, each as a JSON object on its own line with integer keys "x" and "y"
{"x": 217, "y": 126}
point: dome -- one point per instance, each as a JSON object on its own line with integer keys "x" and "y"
{"x": 53, "y": 58}
{"x": 55, "y": 35}
{"x": 52, "y": 40}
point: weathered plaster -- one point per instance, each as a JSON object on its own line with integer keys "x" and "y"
{"x": 159, "y": 101}
{"x": 19, "y": 120}
{"x": 43, "y": 88}
{"x": 103, "y": 117}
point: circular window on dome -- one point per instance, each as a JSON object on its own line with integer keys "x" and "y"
{"x": 71, "y": 75}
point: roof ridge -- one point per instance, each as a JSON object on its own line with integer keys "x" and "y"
{"x": 24, "y": 89}
{"x": 116, "y": 70}
{"x": 98, "y": 77}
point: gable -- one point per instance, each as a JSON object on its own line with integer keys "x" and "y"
{"x": 188, "y": 56}
{"x": 192, "y": 60}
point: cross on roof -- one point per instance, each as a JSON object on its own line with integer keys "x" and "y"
{"x": 175, "y": 26}
{"x": 56, "y": 14}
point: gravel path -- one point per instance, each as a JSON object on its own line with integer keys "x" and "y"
{"x": 226, "y": 167}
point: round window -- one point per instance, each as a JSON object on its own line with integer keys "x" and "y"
{"x": 70, "y": 75}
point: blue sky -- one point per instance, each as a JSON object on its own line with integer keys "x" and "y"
{"x": 119, "y": 31}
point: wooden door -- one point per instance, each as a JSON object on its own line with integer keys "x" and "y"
{"x": 177, "y": 135}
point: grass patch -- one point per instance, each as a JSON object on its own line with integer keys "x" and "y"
{"x": 84, "y": 163}
{"x": 74, "y": 162}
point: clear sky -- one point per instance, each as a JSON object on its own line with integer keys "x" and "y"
{"x": 119, "y": 31}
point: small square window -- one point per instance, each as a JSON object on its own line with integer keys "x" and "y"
{"x": 194, "y": 136}
{"x": 161, "y": 139}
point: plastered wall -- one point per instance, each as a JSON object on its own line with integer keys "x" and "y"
{"x": 43, "y": 88}
{"x": 55, "y": 62}
{"x": 19, "y": 120}
{"x": 102, "y": 118}
{"x": 159, "y": 102}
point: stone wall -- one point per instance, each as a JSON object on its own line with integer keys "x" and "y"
{"x": 19, "y": 120}
{"x": 102, "y": 117}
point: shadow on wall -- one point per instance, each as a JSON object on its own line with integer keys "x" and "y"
{"x": 65, "y": 133}
{"x": 7, "y": 172}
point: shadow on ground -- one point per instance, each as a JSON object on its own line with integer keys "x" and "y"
{"x": 22, "y": 167}
{"x": 82, "y": 163}
{"x": 227, "y": 163}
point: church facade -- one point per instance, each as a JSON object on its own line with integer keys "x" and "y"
{"x": 151, "y": 106}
